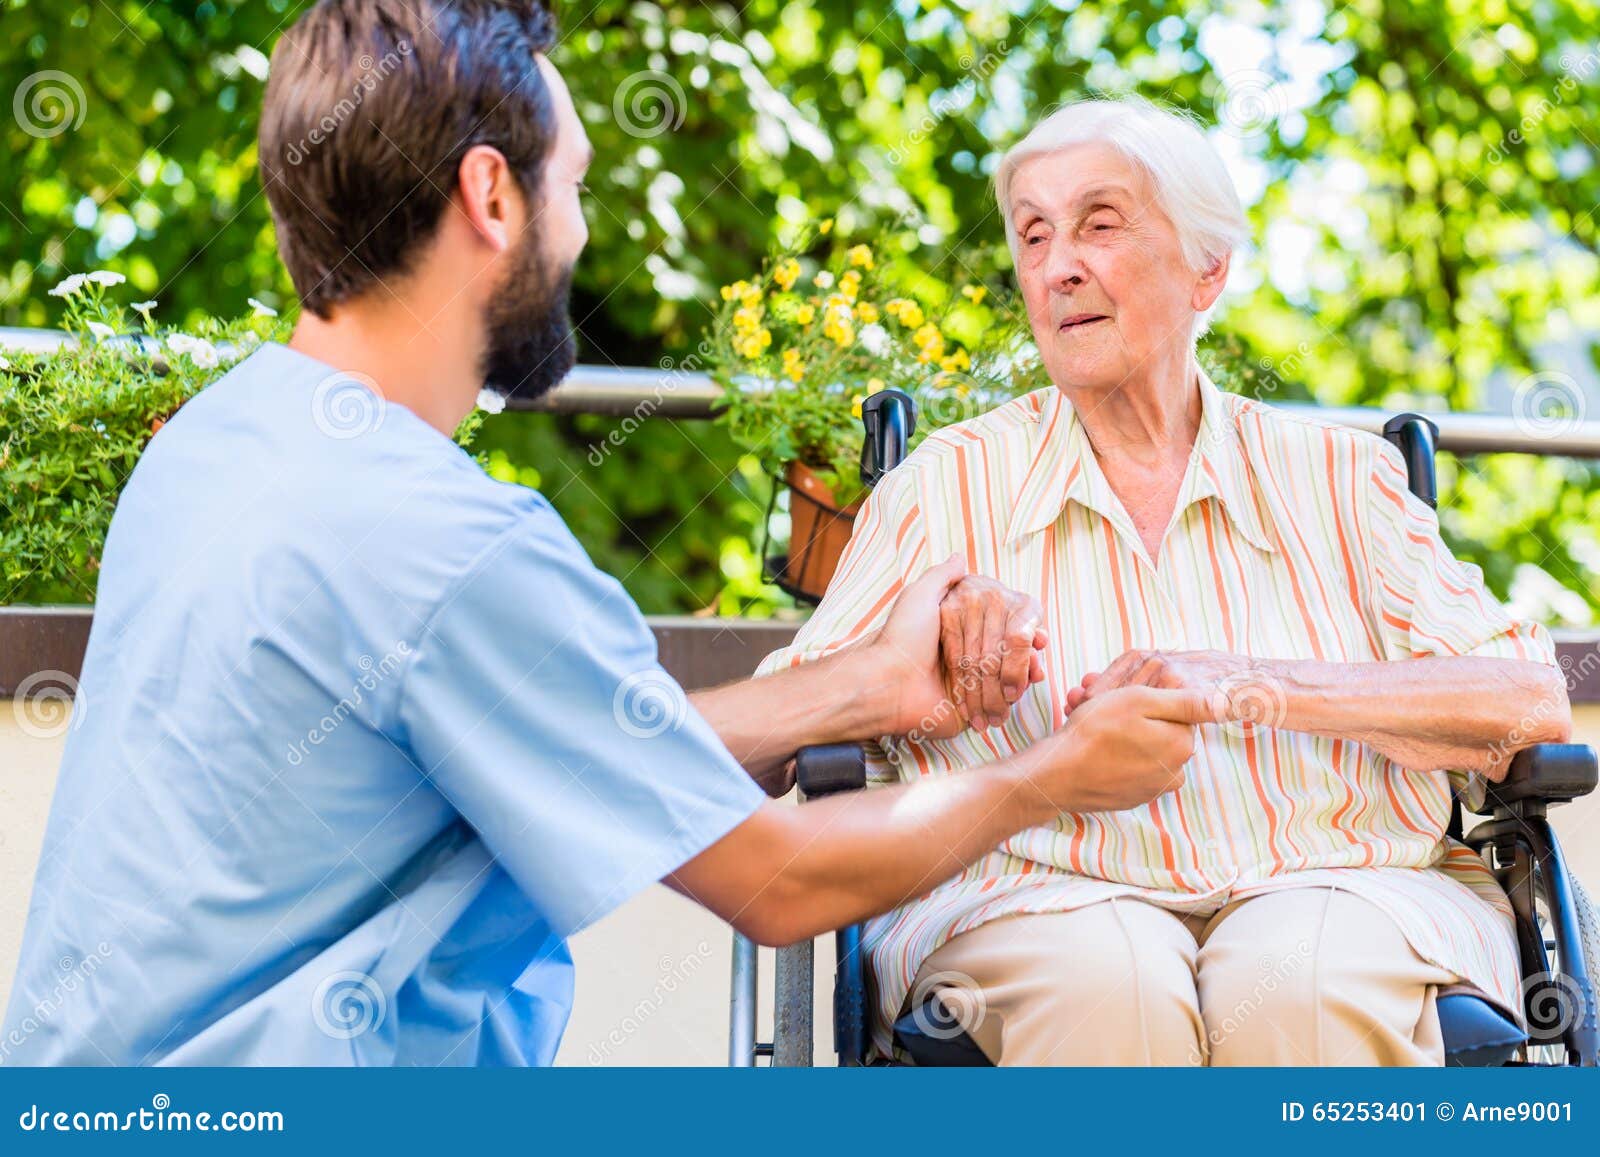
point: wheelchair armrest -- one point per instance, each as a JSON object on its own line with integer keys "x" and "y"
{"x": 1549, "y": 772}
{"x": 829, "y": 768}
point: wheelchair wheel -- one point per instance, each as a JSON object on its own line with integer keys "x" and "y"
{"x": 1557, "y": 1000}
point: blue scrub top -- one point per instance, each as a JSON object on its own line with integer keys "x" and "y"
{"x": 362, "y": 736}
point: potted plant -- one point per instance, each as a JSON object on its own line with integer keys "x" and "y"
{"x": 799, "y": 347}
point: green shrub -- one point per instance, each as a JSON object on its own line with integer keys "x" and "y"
{"x": 73, "y": 423}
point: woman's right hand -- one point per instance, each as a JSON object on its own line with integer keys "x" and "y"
{"x": 1120, "y": 749}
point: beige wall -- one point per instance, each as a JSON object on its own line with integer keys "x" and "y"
{"x": 652, "y": 977}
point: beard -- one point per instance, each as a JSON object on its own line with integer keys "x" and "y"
{"x": 531, "y": 346}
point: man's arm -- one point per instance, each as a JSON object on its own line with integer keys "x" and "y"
{"x": 790, "y": 873}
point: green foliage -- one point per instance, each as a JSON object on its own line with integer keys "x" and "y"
{"x": 73, "y": 423}
{"x": 1422, "y": 179}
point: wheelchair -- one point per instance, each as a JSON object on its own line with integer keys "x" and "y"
{"x": 1557, "y": 925}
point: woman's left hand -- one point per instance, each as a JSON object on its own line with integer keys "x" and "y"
{"x": 1245, "y": 685}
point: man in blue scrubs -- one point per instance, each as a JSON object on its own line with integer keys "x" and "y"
{"x": 362, "y": 736}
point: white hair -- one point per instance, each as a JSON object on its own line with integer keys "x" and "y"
{"x": 1191, "y": 182}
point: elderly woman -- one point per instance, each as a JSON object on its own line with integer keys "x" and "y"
{"x": 1294, "y": 898}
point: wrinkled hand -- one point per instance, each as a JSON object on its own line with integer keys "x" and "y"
{"x": 1238, "y": 685}
{"x": 990, "y": 640}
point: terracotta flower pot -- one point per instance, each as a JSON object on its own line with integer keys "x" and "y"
{"x": 819, "y": 529}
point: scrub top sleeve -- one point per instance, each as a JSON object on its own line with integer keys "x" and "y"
{"x": 534, "y": 703}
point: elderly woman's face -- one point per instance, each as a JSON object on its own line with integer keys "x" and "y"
{"x": 1101, "y": 267}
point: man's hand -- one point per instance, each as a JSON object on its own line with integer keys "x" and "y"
{"x": 905, "y": 652}
{"x": 1120, "y": 750}
{"x": 1240, "y": 686}
{"x": 788, "y": 873}
{"x": 990, "y": 640}
{"x": 961, "y": 649}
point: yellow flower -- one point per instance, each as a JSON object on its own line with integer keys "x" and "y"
{"x": 907, "y": 312}
{"x": 956, "y": 362}
{"x": 874, "y": 385}
{"x": 973, "y": 293}
{"x": 850, "y": 284}
{"x": 787, "y": 273}
{"x": 746, "y": 320}
{"x": 930, "y": 341}
{"x": 806, "y": 314}
{"x": 751, "y": 298}
{"x": 751, "y": 346}
{"x": 737, "y": 289}
{"x": 837, "y": 323}
{"x": 855, "y": 405}
{"x": 867, "y": 313}
{"x": 861, "y": 256}
{"x": 826, "y": 227}
{"x": 792, "y": 365}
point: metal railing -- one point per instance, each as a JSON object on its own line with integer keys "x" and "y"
{"x": 668, "y": 392}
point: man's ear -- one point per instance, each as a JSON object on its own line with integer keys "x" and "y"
{"x": 488, "y": 197}
{"x": 1211, "y": 283}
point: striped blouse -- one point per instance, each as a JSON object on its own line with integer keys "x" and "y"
{"x": 1291, "y": 539}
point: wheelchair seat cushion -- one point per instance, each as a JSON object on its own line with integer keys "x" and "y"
{"x": 934, "y": 1039}
{"x": 1476, "y": 1035}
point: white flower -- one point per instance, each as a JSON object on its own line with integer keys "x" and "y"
{"x": 490, "y": 402}
{"x": 69, "y": 286}
{"x": 4, "y": 365}
{"x": 261, "y": 309}
{"x": 875, "y": 339}
{"x": 143, "y": 306}
{"x": 200, "y": 351}
{"x": 823, "y": 280}
{"x": 106, "y": 277}
{"x": 101, "y": 330}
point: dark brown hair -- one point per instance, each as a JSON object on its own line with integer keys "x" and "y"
{"x": 370, "y": 106}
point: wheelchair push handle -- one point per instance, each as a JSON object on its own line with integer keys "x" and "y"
{"x": 1417, "y": 439}
{"x": 890, "y": 418}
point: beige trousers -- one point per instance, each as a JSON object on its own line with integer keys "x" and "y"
{"x": 1306, "y": 976}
